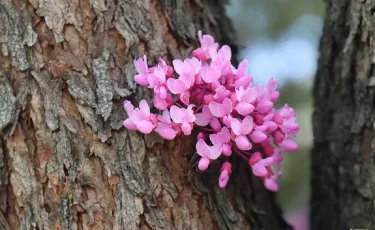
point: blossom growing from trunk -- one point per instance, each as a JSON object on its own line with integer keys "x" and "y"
{"x": 207, "y": 94}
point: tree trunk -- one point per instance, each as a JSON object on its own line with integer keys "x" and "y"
{"x": 66, "y": 162}
{"x": 343, "y": 167}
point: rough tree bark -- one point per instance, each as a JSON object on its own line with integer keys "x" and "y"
{"x": 343, "y": 167}
{"x": 66, "y": 162}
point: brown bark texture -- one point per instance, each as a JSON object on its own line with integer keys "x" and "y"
{"x": 343, "y": 167}
{"x": 66, "y": 162}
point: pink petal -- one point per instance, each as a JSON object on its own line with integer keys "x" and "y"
{"x": 176, "y": 86}
{"x": 271, "y": 126}
{"x": 144, "y": 107}
{"x": 186, "y": 128}
{"x": 271, "y": 184}
{"x": 178, "y": 66}
{"x": 209, "y": 74}
{"x": 258, "y": 136}
{"x": 215, "y": 124}
{"x": 242, "y": 68}
{"x": 202, "y": 148}
{"x": 259, "y": 170}
{"x": 206, "y": 40}
{"x": 236, "y": 126}
{"x": 244, "y": 108}
{"x": 227, "y": 121}
{"x": 159, "y": 103}
{"x": 268, "y": 161}
{"x": 163, "y": 93}
{"x": 154, "y": 80}
{"x": 145, "y": 127}
{"x": 224, "y": 54}
{"x": 215, "y": 84}
{"x": 128, "y": 123}
{"x": 268, "y": 117}
{"x": 264, "y": 106}
{"x": 261, "y": 128}
{"x": 221, "y": 93}
{"x": 272, "y": 84}
{"x": 223, "y": 179}
{"x": 201, "y": 136}
{"x": 141, "y": 79}
{"x": 243, "y": 143}
{"x": 274, "y": 96}
{"x": 167, "y": 133}
{"x": 188, "y": 114}
{"x": 212, "y": 52}
{"x": 175, "y": 114}
{"x": 160, "y": 74}
{"x": 128, "y": 107}
{"x": 221, "y": 137}
{"x": 227, "y": 150}
{"x": 290, "y": 127}
{"x": 187, "y": 80}
{"x": 247, "y": 125}
{"x": 203, "y": 164}
{"x": 196, "y": 64}
{"x": 216, "y": 109}
{"x": 289, "y": 146}
{"x": 255, "y": 157}
{"x": 228, "y": 106}
{"x": 200, "y": 54}
{"x": 215, "y": 152}
{"x": 165, "y": 118}
{"x": 278, "y": 136}
{"x": 202, "y": 119}
{"x": 250, "y": 95}
{"x": 141, "y": 64}
{"x": 185, "y": 97}
{"x": 244, "y": 82}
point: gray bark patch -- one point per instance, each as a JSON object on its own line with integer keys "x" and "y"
{"x": 16, "y": 32}
{"x": 7, "y": 102}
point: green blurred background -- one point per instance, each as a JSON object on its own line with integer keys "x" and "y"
{"x": 280, "y": 38}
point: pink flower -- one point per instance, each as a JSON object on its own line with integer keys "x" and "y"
{"x": 207, "y": 153}
{"x": 210, "y": 74}
{"x": 222, "y": 139}
{"x": 203, "y": 118}
{"x": 162, "y": 104}
{"x": 245, "y": 99}
{"x": 182, "y": 116}
{"x": 142, "y": 69}
{"x": 221, "y": 93}
{"x": 166, "y": 68}
{"x": 221, "y": 59}
{"x": 259, "y": 165}
{"x": 258, "y": 136}
{"x": 140, "y": 119}
{"x": 226, "y": 170}
{"x": 221, "y": 109}
{"x": 241, "y": 129}
{"x": 271, "y": 87}
{"x": 165, "y": 128}
{"x": 178, "y": 86}
{"x": 289, "y": 146}
{"x": 271, "y": 184}
{"x": 190, "y": 67}
{"x": 157, "y": 78}
{"x": 206, "y": 42}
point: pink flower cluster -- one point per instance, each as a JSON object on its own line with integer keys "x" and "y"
{"x": 208, "y": 94}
